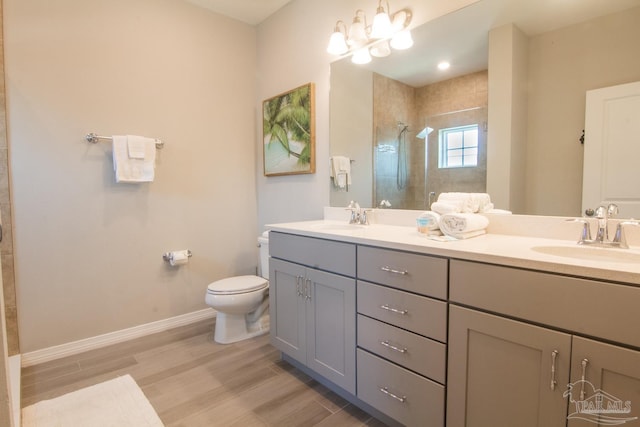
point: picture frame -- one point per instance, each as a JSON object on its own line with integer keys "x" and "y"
{"x": 288, "y": 130}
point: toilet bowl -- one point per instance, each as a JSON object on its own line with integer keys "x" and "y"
{"x": 242, "y": 302}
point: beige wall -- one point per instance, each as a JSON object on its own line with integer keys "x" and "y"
{"x": 351, "y": 124}
{"x": 87, "y": 250}
{"x": 6, "y": 246}
{"x": 564, "y": 64}
{"x": 507, "y": 118}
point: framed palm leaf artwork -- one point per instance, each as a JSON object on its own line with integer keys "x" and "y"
{"x": 288, "y": 129}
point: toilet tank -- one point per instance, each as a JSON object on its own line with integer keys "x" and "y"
{"x": 263, "y": 243}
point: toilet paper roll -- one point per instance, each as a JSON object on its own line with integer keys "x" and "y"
{"x": 179, "y": 257}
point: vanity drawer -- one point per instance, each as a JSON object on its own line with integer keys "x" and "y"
{"x": 422, "y": 315}
{"x": 589, "y": 307}
{"x": 417, "y": 273}
{"x": 417, "y": 402}
{"x": 412, "y": 351}
{"x": 328, "y": 255}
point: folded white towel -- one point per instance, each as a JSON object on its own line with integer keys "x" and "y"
{"x": 466, "y": 202}
{"x": 136, "y": 146}
{"x": 445, "y": 207}
{"x": 341, "y": 171}
{"x": 129, "y": 169}
{"x": 463, "y": 225}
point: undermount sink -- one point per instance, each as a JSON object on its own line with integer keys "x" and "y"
{"x": 590, "y": 253}
{"x": 338, "y": 227}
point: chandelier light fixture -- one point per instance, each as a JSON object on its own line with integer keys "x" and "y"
{"x": 361, "y": 41}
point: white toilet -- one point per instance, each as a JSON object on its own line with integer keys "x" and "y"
{"x": 242, "y": 302}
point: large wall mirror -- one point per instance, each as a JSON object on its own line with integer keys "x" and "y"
{"x": 390, "y": 117}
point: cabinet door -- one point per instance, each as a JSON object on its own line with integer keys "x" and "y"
{"x": 500, "y": 372}
{"x": 611, "y": 385}
{"x": 331, "y": 328}
{"x": 287, "y": 308}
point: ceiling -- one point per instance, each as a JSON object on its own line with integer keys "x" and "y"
{"x": 461, "y": 37}
{"x": 249, "y": 11}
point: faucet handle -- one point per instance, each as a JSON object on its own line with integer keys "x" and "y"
{"x": 612, "y": 210}
{"x": 354, "y": 207}
{"x": 585, "y": 235}
{"x": 620, "y": 236}
{"x": 364, "y": 216}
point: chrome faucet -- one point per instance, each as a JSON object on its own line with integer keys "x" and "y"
{"x": 603, "y": 214}
{"x": 358, "y": 215}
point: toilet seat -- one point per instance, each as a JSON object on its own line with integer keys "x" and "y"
{"x": 237, "y": 285}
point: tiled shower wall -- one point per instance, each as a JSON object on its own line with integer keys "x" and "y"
{"x": 6, "y": 246}
{"x": 430, "y": 105}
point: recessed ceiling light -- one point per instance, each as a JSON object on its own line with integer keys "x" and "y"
{"x": 444, "y": 65}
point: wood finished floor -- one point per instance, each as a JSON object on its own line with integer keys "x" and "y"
{"x": 192, "y": 381}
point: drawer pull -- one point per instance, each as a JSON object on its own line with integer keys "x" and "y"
{"x": 394, "y": 310}
{"x": 388, "y": 393}
{"x": 393, "y": 347}
{"x": 308, "y": 289}
{"x": 391, "y": 270}
{"x": 299, "y": 285}
{"x": 583, "y": 377}
{"x": 554, "y": 355}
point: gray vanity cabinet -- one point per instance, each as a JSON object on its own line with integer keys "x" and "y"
{"x": 500, "y": 372}
{"x": 312, "y": 311}
{"x": 402, "y": 334}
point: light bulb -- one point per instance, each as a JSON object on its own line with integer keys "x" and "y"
{"x": 357, "y": 33}
{"x": 402, "y": 40}
{"x": 381, "y": 50}
{"x": 361, "y": 56}
{"x": 337, "y": 44}
{"x": 381, "y": 28}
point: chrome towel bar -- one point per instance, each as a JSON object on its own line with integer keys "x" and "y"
{"x": 93, "y": 138}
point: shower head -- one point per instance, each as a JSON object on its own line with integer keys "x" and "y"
{"x": 424, "y": 132}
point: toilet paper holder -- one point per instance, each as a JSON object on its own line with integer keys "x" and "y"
{"x": 168, "y": 256}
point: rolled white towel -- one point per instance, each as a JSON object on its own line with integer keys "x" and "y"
{"x": 463, "y": 225}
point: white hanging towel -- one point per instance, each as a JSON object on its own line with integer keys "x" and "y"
{"x": 134, "y": 158}
{"x": 341, "y": 171}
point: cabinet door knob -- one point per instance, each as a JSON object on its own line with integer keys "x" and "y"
{"x": 308, "y": 289}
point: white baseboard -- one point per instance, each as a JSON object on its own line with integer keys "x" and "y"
{"x": 14, "y": 381}
{"x": 75, "y": 347}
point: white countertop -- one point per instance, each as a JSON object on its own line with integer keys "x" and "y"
{"x": 503, "y": 249}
